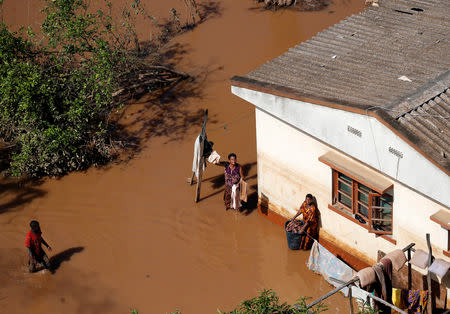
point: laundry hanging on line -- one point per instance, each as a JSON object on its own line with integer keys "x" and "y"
{"x": 398, "y": 259}
{"x": 439, "y": 267}
{"x": 420, "y": 259}
{"x": 366, "y": 276}
{"x": 399, "y": 298}
{"x": 417, "y": 301}
{"x": 199, "y": 160}
{"x": 329, "y": 266}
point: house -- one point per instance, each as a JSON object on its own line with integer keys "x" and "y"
{"x": 359, "y": 117}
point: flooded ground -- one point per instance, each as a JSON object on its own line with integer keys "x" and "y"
{"x": 129, "y": 235}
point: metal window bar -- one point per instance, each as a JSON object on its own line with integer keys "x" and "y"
{"x": 408, "y": 249}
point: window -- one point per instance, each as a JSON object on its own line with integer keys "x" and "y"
{"x": 368, "y": 207}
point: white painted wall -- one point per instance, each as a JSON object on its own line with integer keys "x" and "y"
{"x": 330, "y": 126}
{"x": 288, "y": 169}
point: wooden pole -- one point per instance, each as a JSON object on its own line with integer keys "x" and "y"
{"x": 199, "y": 181}
{"x": 191, "y": 181}
{"x": 430, "y": 301}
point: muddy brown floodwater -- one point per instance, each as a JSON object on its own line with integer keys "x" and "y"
{"x": 129, "y": 235}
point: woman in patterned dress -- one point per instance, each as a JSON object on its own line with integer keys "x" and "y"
{"x": 233, "y": 176}
{"x": 310, "y": 217}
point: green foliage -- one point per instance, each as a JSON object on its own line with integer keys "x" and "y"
{"x": 56, "y": 98}
{"x": 134, "y": 311}
{"x": 367, "y": 309}
{"x": 268, "y": 303}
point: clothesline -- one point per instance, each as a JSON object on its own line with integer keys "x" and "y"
{"x": 350, "y": 282}
{"x": 375, "y": 298}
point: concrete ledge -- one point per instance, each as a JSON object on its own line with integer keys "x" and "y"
{"x": 337, "y": 211}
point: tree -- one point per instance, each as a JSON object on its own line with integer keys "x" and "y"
{"x": 268, "y": 303}
{"x": 57, "y": 94}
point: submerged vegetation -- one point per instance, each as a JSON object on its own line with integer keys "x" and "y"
{"x": 304, "y": 5}
{"x": 267, "y": 302}
{"x": 58, "y": 92}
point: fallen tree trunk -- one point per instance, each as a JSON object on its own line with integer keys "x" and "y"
{"x": 299, "y": 4}
{"x": 154, "y": 77}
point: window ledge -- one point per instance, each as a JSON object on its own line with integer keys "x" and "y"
{"x": 389, "y": 239}
{"x": 365, "y": 226}
{"x": 344, "y": 214}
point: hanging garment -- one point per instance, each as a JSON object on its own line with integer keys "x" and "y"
{"x": 207, "y": 147}
{"x": 420, "y": 259}
{"x": 366, "y": 276}
{"x": 439, "y": 267}
{"x": 387, "y": 267}
{"x": 417, "y": 301}
{"x": 382, "y": 280}
{"x": 214, "y": 158}
{"x": 244, "y": 191}
{"x": 198, "y": 160}
{"x": 329, "y": 266}
{"x": 397, "y": 258}
{"x": 384, "y": 289}
{"x": 235, "y": 197}
{"x": 398, "y": 298}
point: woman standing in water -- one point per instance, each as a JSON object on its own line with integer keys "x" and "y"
{"x": 233, "y": 176}
{"x": 311, "y": 218}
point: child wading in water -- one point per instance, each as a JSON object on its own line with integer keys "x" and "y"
{"x": 33, "y": 243}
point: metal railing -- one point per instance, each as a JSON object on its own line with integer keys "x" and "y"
{"x": 351, "y": 282}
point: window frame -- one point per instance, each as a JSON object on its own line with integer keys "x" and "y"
{"x": 354, "y": 210}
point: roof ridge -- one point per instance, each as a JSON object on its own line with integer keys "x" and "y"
{"x": 420, "y": 96}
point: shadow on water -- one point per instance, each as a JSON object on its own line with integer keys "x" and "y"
{"x": 168, "y": 116}
{"x": 207, "y": 10}
{"x": 24, "y": 192}
{"x": 64, "y": 256}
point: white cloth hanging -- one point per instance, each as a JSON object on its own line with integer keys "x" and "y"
{"x": 198, "y": 158}
{"x": 439, "y": 267}
{"x": 420, "y": 259}
{"x": 235, "y": 197}
{"x": 214, "y": 158}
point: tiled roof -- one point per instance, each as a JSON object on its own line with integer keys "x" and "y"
{"x": 426, "y": 115}
{"x": 377, "y": 58}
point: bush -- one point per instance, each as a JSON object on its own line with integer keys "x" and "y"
{"x": 268, "y": 303}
